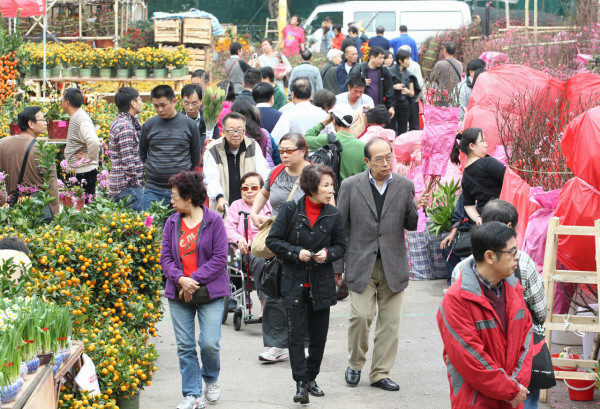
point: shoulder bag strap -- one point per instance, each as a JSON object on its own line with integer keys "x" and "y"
{"x": 231, "y": 68}
{"x": 22, "y": 173}
{"x": 455, "y": 70}
{"x": 294, "y": 189}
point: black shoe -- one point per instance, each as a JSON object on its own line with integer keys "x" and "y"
{"x": 386, "y": 384}
{"x": 314, "y": 389}
{"x": 352, "y": 377}
{"x": 301, "y": 393}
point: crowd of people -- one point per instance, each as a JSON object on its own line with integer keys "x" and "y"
{"x": 256, "y": 164}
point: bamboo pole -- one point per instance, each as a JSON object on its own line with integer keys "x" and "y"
{"x": 116, "y": 40}
{"x": 507, "y": 14}
{"x": 527, "y": 13}
{"x": 80, "y": 19}
{"x": 535, "y": 19}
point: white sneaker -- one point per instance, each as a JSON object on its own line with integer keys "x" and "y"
{"x": 192, "y": 402}
{"x": 274, "y": 354}
{"x": 212, "y": 392}
{"x": 305, "y": 352}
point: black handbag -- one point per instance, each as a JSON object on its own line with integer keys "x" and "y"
{"x": 201, "y": 296}
{"x": 270, "y": 282}
{"x": 542, "y": 371}
{"x": 461, "y": 245}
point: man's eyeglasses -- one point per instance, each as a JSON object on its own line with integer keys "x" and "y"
{"x": 379, "y": 159}
{"x": 235, "y": 131}
{"x": 254, "y": 188}
{"x": 513, "y": 252}
{"x": 40, "y": 120}
{"x": 288, "y": 151}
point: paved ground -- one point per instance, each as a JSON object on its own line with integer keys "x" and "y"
{"x": 247, "y": 383}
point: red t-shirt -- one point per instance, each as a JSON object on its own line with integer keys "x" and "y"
{"x": 188, "y": 239}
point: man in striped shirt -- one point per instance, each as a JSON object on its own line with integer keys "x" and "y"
{"x": 127, "y": 169}
{"x": 170, "y": 143}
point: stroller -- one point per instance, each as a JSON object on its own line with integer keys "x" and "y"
{"x": 241, "y": 284}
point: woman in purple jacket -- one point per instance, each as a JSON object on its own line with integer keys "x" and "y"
{"x": 194, "y": 255}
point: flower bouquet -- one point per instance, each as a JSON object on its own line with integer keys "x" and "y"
{"x": 213, "y": 102}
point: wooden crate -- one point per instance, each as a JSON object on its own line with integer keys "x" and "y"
{"x": 167, "y": 31}
{"x": 200, "y": 58}
{"x": 197, "y": 31}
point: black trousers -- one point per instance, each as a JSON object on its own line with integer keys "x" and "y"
{"x": 306, "y": 369}
{"x": 413, "y": 116}
{"x": 401, "y": 117}
{"x": 90, "y": 181}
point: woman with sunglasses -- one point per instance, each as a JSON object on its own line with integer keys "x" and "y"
{"x": 251, "y": 184}
{"x": 281, "y": 186}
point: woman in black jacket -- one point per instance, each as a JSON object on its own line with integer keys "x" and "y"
{"x": 316, "y": 240}
{"x": 406, "y": 87}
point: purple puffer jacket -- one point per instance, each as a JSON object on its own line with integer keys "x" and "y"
{"x": 211, "y": 250}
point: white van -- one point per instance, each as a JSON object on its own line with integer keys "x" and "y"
{"x": 422, "y": 18}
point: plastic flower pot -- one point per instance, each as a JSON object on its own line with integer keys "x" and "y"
{"x": 33, "y": 72}
{"x": 132, "y": 402}
{"x": 33, "y": 365}
{"x": 58, "y": 129}
{"x": 105, "y": 72}
{"x": 85, "y": 72}
{"x": 58, "y": 360}
{"x": 106, "y": 43}
{"x": 75, "y": 72}
{"x": 122, "y": 72}
{"x": 55, "y": 72}
{"x": 45, "y": 358}
{"x": 9, "y": 393}
{"x": 66, "y": 72}
{"x": 580, "y": 389}
{"x": 179, "y": 72}
{"x": 160, "y": 72}
{"x": 141, "y": 73}
{"x": 15, "y": 130}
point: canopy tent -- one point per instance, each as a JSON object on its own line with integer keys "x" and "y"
{"x": 25, "y": 8}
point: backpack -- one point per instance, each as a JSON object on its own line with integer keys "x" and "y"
{"x": 330, "y": 155}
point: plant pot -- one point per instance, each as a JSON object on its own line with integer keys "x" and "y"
{"x": 15, "y": 130}
{"x": 105, "y": 72}
{"x": 132, "y": 402}
{"x": 58, "y": 360}
{"x": 58, "y": 129}
{"x": 104, "y": 44}
{"x": 45, "y": 358}
{"x": 55, "y": 72}
{"x": 9, "y": 393}
{"x": 33, "y": 365}
{"x": 85, "y": 72}
{"x": 75, "y": 72}
{"x": 95, "y": 72}
{"x": 48, "y": 73}
{"x": 66, "y": 72}
{"x": 160, "y": 72}
{"x": 179, "y": 72}
{"x": 33, "y": 72}
{"x": 141, "y": 73}
{"x": 122, "y": 72}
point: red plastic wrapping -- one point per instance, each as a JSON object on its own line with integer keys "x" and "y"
{"x": 582, "y": 89}
{"x": 578, "y": 205}
{"x": 581, "y": 146}
{"x": 516, "y": 191}
{"x": 484, "y": 118}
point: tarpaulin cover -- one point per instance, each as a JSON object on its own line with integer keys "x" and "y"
{"x": 534, "y": 243}
{"x": 581, "y": 146}
{"x": 581, "y": 91}
{"x": 439, "y": 136}
{"x": 516, "y": 191}
{"x": 578, "y": 205}
{"x": 26, "y": 8}
{"x": 501, "y": 84}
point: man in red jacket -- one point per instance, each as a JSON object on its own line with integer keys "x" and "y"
{"x": 486, "y": 368}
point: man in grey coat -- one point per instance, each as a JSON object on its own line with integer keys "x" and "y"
{"x": 377, "y": 206}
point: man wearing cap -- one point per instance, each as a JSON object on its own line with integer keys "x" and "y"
{"x": 351, "y": 158}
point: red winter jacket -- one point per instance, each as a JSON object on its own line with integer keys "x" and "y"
{"x": 485, "y": 366}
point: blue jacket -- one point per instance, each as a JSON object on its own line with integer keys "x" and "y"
{"x": 379, "y": 41}
{"x": 211, "y": 251}
{"x": 405, "y": 39}
{"x": 341, "y": 76}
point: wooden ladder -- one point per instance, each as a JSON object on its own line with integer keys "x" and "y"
{"x": 551, "y": 276}
{"x": 269, "y": 30}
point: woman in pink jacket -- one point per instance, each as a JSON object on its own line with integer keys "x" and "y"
{"x": 251, "y": 183}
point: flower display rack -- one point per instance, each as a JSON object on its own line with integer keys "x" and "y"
{"x": 167, "y": 31}
{"x": 197, "y": 31}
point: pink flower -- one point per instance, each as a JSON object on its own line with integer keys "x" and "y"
{"x": 148, "y": 221}
{"x": 64, "y": 164}
{"x": 60, "y": 183}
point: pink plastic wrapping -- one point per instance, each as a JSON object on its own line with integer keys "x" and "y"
{"x": 416, "y": 175}
{"x": 534, "y": 242}
{"x": 405, "y": 145}
{"x": 439, "y": 135}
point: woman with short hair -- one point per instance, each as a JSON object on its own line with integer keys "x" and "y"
{"x": 194, "y": 261}
{"x": 316, "y": 239}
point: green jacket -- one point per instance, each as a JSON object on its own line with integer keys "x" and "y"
{"x": 352, "y": 155}
{"x": 279, "y": 98}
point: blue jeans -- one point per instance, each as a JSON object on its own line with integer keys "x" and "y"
{"x": 156, "y": 195}
{"x": 135, "y": 194}
{"x": 533, "y": 399}
{"x": 209, "y": 318}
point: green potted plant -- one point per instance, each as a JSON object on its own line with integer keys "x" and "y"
{"x": 58, "y": 120}
{"x": 107, "y": 62}
{"x": 160, "y": 62}
{"x": 439, "y": 215}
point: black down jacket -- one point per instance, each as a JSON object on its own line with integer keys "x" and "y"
{"x": 327, "y": 233}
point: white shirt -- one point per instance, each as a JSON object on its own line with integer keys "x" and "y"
{"x": 385, "y": 184}
{"x": 347, "y": 67}
{"x": 298, "y": 119}
{"x": 363, "y": 100}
